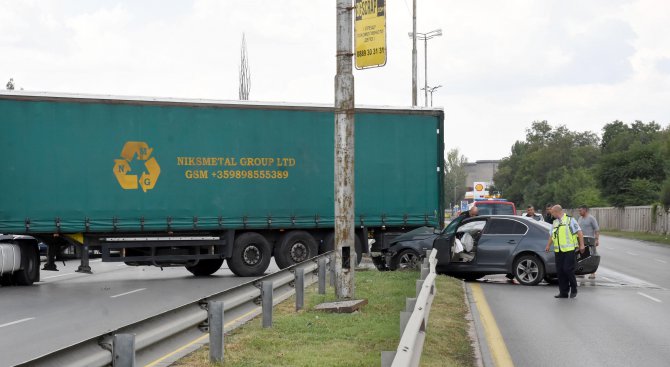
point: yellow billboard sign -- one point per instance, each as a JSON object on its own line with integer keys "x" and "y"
{"x": 370, "y": 33}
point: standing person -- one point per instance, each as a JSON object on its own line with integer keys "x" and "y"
{"x": 565, "y": 236}
{"x": 547, "y": 215}
{"x": 530, "y": 213}
{"x": 590, "y": 228}
{"x": 470, "y": 213}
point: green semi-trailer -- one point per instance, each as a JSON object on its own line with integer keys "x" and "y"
{"x": 167, "y": 182}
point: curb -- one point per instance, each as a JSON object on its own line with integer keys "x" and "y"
{"x": 482, "y": 353}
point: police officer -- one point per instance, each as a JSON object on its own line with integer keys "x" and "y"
{"x": 565, "y": 236}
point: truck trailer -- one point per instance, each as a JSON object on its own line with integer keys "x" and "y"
{"x": 176, "y": 182}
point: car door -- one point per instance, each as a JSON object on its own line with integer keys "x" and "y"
{"x": 498, "y": 241}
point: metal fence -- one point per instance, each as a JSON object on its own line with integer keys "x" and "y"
{"x": 631, "y": 218}
{"x": 187, "y": 322}
{"x": 414, "y": 319}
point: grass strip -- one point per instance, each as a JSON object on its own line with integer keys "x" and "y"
{"x": 643, "y": 236}
{"x": 312, "y": 338}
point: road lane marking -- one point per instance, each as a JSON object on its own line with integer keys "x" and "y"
{"x": 59, "y": 275}
{"x": 199, "y": 339}
{"x": 127, "y": 293}
{"x": 661, "y": 261}
{"x": 494, "y": 339}
{"x": 631, "y": 253}
{"x": 17, "y": 322}
{"x": 650, "y": 297}
{"x": 607, "y": 279}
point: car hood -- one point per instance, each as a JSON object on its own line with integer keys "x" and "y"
{"x": 417, "y": 234}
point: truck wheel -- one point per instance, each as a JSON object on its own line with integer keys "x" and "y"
{"x": 329, "y": 245}
{"x": 295, "y": 247}
{"x": 251, "y": 255}
{"x": 205, "y": 267}
{"x": 30, "y": 264}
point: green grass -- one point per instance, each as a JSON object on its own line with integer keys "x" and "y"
{"x": 644, "y": 236}
{"x": 311, "y": 338}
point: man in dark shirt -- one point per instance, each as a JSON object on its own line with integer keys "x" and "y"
{"x": 547, "y": 215}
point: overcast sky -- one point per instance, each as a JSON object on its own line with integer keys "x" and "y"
{"x": 502, "y": 64}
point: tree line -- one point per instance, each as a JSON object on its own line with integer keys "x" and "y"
{"x": 629, "y": 164}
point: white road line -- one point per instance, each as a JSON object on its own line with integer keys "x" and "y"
{"x": 127, "y": 293}
{"x": 661, "y": 261}
{"x": 607, "y": 279}
{"x": 650, "y": 297}
{"x": 120, "y": 265}
{"x": 631, "y": 253}
{"x": 59, "y": 275}
{"x": 95, "y": 261}
{"x": 17, "y": 322}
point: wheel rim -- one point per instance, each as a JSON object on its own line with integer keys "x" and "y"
{"x": 251, "y": 255}
{"x": 299, "y": 252}
{"x": 407, "y": 261}
{"x": 527, "y": 270}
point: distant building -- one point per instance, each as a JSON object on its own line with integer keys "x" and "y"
{"x": 480, "y": 171}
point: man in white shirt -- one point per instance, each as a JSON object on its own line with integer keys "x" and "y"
{"x": 530, "y": 213}
{"x": 590, "y": 227}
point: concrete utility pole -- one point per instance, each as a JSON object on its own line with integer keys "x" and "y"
{"x": 344, "y": 154}
{"x": 425, "y": 37}
{"x": 414, "y": 91}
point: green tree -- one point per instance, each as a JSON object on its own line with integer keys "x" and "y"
{"x": 454, "y": 177}
{"x": 552, "y": 165}
{"x": 633, "y": 164}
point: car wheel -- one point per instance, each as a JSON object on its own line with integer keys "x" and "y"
{"x": 528, "y": 270}
{"x": 405, "y": 260}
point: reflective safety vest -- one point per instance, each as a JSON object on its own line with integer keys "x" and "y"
{"x": 563, "y": 238}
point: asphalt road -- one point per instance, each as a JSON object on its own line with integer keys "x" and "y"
{"x": 620, "y": 319}
{"x": 69, "y": 307}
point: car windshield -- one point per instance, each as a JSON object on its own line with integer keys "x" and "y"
{"x": 495, "y": 209}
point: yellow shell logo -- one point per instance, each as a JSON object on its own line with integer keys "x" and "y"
{"x": 151, "y": 170}
{"x": 479, "y": 187}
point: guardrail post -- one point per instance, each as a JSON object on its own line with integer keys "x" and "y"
{"x": 419, "y": 285}
{"x": 424, "y": 272}
{"x": 266, "y": 301}
{"x": 409, "y": 304}
{"x": 322, "y": 275}
{"x": 123, "y": 350}
{"x": 425, "y": 258}
{"x": 299, "y": 289}
{"x": 387, "y": 358}
{"x": 404, "y": 319}
{"x": 216, "y": 334}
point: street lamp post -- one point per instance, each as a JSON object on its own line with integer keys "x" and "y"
{"x": 431, "y": 90}
{"x": 425, "y": 37}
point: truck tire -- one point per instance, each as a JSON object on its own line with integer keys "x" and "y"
{"x": 329, "y": 245}
{"x": 251, "y": 255}
{"x": 295, "y": 247}
{"x": 30, "y": 265}
{"x": 205, "y": 267}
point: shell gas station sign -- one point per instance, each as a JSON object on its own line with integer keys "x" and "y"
{"x": 479, "y": 190}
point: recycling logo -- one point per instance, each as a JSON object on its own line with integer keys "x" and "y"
{"x": 136, "y": 150}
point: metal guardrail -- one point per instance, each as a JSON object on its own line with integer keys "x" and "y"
{"x": 413, "y": 323}
{"x": 186, "y": 322}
